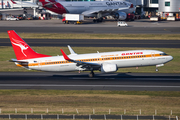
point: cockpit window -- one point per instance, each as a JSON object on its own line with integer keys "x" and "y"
{"x": 163, "y": 53}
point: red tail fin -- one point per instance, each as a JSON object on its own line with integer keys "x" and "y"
{"x": 21, "y": 48}
{"x": 13, "y": 2}
{"x": 53, "y": 6}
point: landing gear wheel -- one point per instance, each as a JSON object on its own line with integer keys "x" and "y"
{"x": 157, "y": 70}
{"x": 91, "y": 74}
{"x": 101, "y": 19}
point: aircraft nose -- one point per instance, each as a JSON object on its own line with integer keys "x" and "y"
{"x": 170, "y": 57}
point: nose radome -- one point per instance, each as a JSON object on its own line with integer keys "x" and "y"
{"x": 171, "y": 57}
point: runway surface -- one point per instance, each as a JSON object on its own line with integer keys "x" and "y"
{"x": 85, "y": 117}
{"x": 98, "y": 43}
{"x": 95, "y": 29}
{"x": 81, "y": 81}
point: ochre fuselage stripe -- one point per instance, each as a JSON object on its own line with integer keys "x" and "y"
{"x": 90, "y": 60}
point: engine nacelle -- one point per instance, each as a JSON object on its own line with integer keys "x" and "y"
{"x": 120, "y": 15}
{"x": 108, "y": 67}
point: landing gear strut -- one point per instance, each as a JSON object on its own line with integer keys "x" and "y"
{"x": 158, "y": 66}
{"x": 91, "y": 74}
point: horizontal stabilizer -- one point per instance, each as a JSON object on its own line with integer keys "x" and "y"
{"x": 19, "y": 61}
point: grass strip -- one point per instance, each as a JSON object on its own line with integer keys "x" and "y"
{"x": 96, "y": 36}
{"x": 87, "y": 100}
{"x": 89, "y": 92}
{"x": 173, "y": 66}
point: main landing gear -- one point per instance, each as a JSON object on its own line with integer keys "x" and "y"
{"x": 91, "y": 74}
{"x": 98, "y": 20}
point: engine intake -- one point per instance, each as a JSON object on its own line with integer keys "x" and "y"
{"x": 108, "y": 67}
{"x": 120, "y": 15}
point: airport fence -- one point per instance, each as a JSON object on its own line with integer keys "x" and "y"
{"x": 85, "y": 111}
{"x": 70, "y": 113}
{"x": 88, "y": 117}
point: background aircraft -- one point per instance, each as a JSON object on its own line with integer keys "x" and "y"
{"x": 98, "y": 9}
{"x": 23, "y": 4}
{"x": 105, "y": 62}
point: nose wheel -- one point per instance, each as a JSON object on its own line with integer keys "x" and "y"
{"x": 91, "y": 74}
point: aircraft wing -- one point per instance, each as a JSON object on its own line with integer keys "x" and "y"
{"x": 79, "y": 62}
{"x": 104, "y": 10}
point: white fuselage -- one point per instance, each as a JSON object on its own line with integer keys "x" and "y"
{"x": 80, "y": 7}
{"x": 122, "y": 59}
{"x": 91, "y": 8}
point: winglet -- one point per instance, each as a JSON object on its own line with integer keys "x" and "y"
{"x": 64, "y": 55}
{"x": 71, "y": 50}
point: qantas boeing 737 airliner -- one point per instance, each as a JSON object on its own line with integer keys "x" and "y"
{"x": 105, "y": 62}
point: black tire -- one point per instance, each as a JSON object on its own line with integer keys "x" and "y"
{"x": 91, "y": 74}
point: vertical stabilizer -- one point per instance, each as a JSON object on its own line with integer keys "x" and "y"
{"x": 21, "y": 48}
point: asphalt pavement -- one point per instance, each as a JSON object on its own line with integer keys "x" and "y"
{"x": 81, "y": 81}
{"x": 98, "y": 43}
{"x": 95, "y": 29}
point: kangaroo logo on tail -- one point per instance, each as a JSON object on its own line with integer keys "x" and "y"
{"x": 20, "y": 44}
{"x": 21, "y": 48}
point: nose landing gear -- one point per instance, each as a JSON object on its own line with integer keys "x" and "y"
{"x": 158, "y": 66}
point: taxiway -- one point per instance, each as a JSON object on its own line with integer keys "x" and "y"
{"x": 96, "y": 29}
{"x": 98, "y": 43}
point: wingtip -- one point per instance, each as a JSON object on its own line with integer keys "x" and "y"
{"x": 64, "y": 55}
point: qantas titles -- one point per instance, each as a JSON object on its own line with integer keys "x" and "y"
{"x": 115, "y": 3}
{"x": 132, "y": 53}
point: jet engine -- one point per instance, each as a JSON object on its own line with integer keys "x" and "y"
{"x": 120, "y": 15}
{"x": 108, "y": 67}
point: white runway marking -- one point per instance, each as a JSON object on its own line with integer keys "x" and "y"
{"x": 44, "y": 85}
